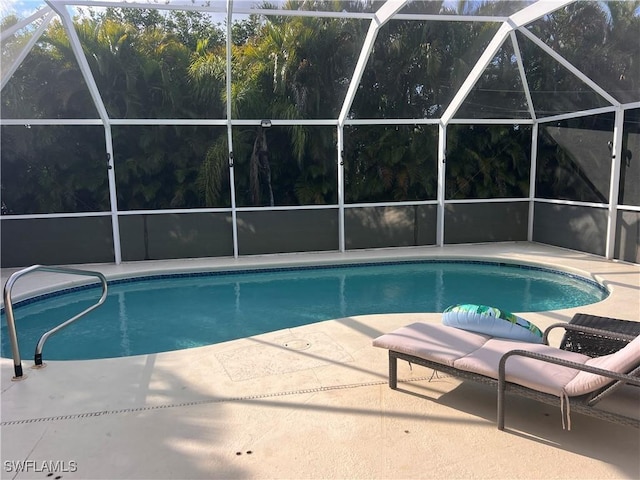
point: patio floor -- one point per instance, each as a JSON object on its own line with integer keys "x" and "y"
{"x": 254, "y": 408}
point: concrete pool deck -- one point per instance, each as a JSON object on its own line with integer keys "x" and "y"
{"x": 305, "y": 402}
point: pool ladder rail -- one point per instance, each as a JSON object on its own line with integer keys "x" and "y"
{"x": 11, "y": 324}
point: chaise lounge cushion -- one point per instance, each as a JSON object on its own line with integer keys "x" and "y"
{"x": 528, "y": 372}
{"x": 456, "y": 351}
{"x": 478, "y": 353}
{"x": 622, "y": 361}
{"x": 437, "y": 343}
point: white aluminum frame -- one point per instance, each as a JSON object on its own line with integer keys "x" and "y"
{"x": 387, "y": 12}
{"x": 26, "y": 48}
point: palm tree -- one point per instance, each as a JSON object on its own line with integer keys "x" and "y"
{"x": 141, "y": 74}
{"x": 280, "y": 73}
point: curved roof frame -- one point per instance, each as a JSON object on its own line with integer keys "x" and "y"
{"x": 382, "y": 16}
{"x": 67, "y": 22}
{"x": 387, "y": 12}
{"x": 516, "y": 21}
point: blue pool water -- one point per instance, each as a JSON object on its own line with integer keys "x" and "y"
{"x": 172, "y": 312}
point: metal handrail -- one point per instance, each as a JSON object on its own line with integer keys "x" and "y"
{"x": 11, "y": 324}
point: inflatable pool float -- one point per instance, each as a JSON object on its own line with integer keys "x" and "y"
{"x": 491, "y": 321}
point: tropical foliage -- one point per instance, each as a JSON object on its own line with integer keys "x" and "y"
{"x": 488, "y": 161}
{"x": 172, "y": 65}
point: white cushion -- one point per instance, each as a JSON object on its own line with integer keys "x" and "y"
{"x": 622, "y": 361}
{"x": 437, "y": 343}
{"x": 528, "y": 372}
{"x": 479, "y": 353}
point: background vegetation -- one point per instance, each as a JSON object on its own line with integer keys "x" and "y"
{"x": 153, "y": 65}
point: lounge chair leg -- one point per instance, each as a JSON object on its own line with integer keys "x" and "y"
{"x": 393, "y": 371}
{"x": 501, "y": 388}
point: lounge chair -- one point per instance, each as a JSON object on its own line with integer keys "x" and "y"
{"x": 575, "y": 381}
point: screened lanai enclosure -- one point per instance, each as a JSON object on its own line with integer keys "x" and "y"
{"x": 146, "y": 130}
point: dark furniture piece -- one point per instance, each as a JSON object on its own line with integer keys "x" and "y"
{"x": 597, "y": 345}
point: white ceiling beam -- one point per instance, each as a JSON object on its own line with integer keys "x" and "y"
{"x": 388, "y": 10}
{"x": 367, "y": 46}
{"x": 435, "y": 17}
{"x": 9, "y": 31}
{"x": 382, "y": 16}
{"x": 562, "y": 61}
{"x": 74, "y": 40}
{"x": 304, "y": 13}
{"x": 6, "y": 74}
{"x": 517, "y": 20}
{"x": 523, "y": 74}
{"x": 537, "y": 10}
{"x": 486, "y": 57}
{"x": 217, "y": 7}
{"x": 581, "y": 113}
{"x": 214, "y": 6}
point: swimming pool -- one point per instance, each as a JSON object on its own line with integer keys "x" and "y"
{"x": 178, "y": 311}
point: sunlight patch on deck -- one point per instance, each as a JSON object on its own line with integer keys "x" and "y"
{"x": 283, "y": 354}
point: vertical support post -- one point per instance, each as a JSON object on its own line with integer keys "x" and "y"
{"x": 532, "y": 179}
{"x": 614, "y": 186}
{"x": 234, "y": 215}
{"x": 388, "y": 9}
{"x": 340, "y": 166}
{"x": 442, "y": 163}
{"x": 113, "y": 197}
{"x": 85, "y": 70}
